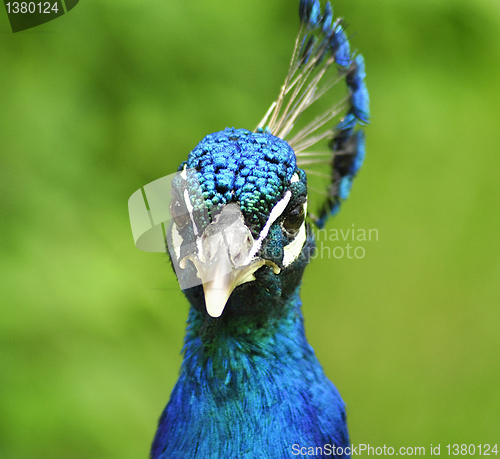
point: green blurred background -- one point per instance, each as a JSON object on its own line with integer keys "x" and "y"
{"x": 115, "y": 94}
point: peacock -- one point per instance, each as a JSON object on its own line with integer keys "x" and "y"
{"x": 239, "y": 237}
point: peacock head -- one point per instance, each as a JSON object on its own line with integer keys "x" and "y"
{"x": 239, "y": 236}
{"x": 238, "y": 239}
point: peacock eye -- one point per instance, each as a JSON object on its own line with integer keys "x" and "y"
{"x": 294, "y": 220}
{"x": 179, "y": 214}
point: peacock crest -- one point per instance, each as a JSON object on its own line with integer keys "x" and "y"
{"x": 321, "y": 59}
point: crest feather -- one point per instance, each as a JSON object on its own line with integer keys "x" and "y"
{"x": 322, "y": 58}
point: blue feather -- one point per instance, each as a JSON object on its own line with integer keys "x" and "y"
{"x": 355, "y": 80}
{"x": 310, "y": 13}
{"x": 327, "y": 19}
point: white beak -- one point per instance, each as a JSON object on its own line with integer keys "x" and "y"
{"x": 225, "y": 259}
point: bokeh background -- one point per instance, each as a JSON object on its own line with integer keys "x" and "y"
{"x": 115, "y": 94}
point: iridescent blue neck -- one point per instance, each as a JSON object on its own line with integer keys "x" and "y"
{"x": 249, "y": 391}
{"x": 229, "y": 354}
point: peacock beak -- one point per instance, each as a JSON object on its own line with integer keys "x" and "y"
{"x": 226, "y": 258}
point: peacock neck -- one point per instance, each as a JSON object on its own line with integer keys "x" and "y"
{"x": 240, "y": 352}
{"x": 249, "y": 388}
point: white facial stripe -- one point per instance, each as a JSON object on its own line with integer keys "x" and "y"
{"x": 292, "y": 250}
{"x": 277, "y": 210}
{"x": 177, "y": 241}
{"x": 184, "y": 173}
{"x": 189, "y": 207}
{"x": 295, "y": 178}
{"x": 199, "y": 247}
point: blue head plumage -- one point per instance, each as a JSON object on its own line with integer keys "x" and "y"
{"x": 236, "y": 165}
